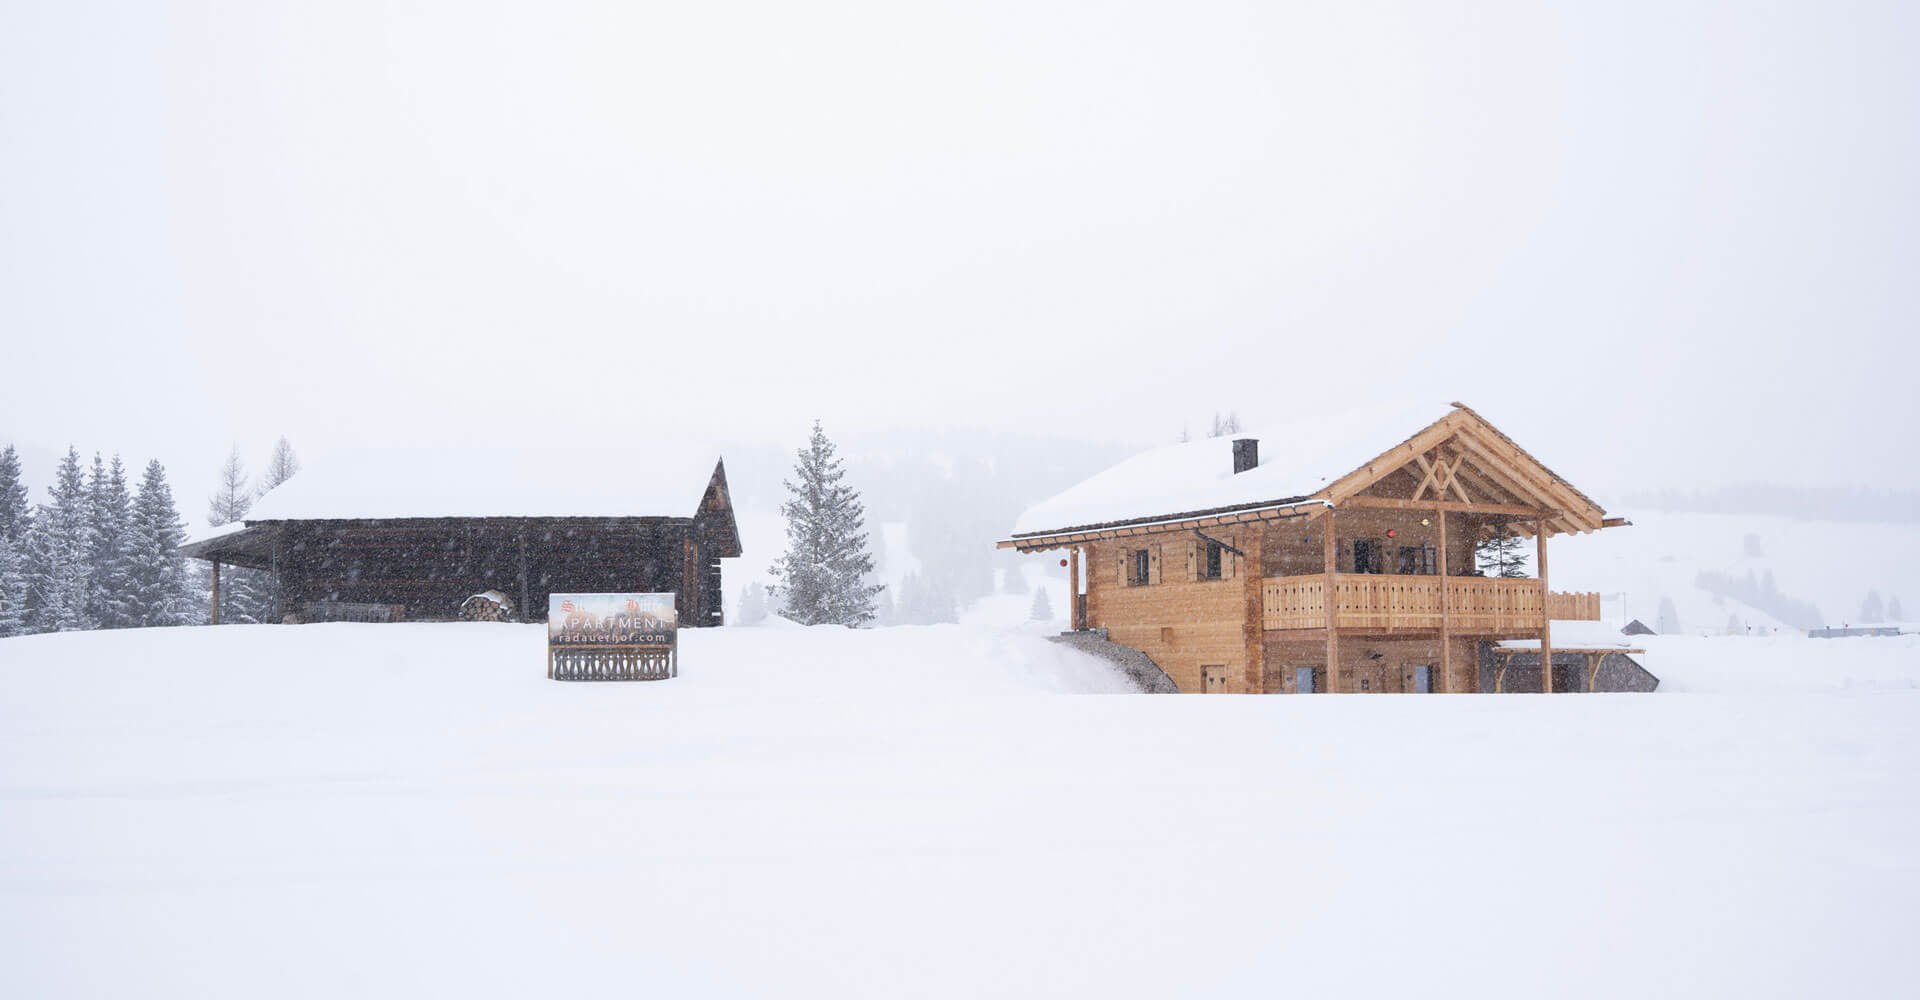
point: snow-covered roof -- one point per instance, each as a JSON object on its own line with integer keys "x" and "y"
{"x": 1297, "y": 459}
{"x": 633, "y": 481}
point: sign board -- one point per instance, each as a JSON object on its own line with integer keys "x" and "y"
{"x": 612, "y": 637}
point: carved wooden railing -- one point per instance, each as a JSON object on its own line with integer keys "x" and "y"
{"x": 1366, "y": 601}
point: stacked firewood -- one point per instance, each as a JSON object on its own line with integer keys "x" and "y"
{"x": 492, "y": 606}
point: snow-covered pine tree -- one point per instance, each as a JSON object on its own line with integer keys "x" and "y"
{"x": 823, "y": 573}
{"x": 15, "y": 511}
{"x": 243, "y": 592}
{"x": 280, "y": 467}
{"x": 13, "y": 589}
{"x": 1873, "y": 611}
{"x": 1893, "y": 611}
{"x": 1668, "y": 621}
{"x": 753, "y": 604}
{"x": 109, "y": 511}
{"x": 58, "y": 545}
{"x": 1223, "y": 426}
{"x": 157, "y": 584}
{"x": 1503, "y": 554}
{"x": 1042, "y": 610}
{"x": 230, "y": 501}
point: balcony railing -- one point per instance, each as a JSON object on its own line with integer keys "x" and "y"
{"x": 1473, "y": 604}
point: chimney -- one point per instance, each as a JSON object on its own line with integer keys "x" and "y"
{"x": 1246, "y": 454}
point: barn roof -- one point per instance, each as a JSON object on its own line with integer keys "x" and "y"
{"x": 1314, "y": 461}
{"x": 418, "y": 483}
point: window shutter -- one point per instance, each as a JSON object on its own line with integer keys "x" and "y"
{"x": 1227, "y": 557}
{"x": 1122, "y": 563}
{"x": 1193, "y": 558}
{"x": 1153, "y": 564}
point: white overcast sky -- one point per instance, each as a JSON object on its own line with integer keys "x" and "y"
{"x": 1666, "y": 243}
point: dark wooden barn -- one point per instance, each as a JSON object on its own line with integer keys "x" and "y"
{"x": 406, "y": 536}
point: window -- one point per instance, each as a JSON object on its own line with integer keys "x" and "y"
{"x": 1366, "y": 557}
{"x": 1423, "y": 680}
{"x": 1419, "y": 560}
{"x": 1306, "y": 680}
{"x": 1142, "y": 568}
{"x": 1211, "y": 555}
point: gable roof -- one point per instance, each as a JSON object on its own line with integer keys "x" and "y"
{"x": 399, "y": 483}
{"x": 1317, "y": 461}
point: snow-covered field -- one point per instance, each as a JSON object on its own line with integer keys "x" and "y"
{"x": 341, "y": 810}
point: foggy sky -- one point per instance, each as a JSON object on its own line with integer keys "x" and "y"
{"x": 1661, "y": 243}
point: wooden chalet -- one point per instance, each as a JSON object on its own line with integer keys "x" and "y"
{"x": 1336, "y": 561}
{"x": 400, "y": 535}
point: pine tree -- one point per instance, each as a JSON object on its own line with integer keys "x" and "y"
{"x": 823, "y": 573}
{"x": 1668, "y": 622}
{"x": 753, "y": 604}
{"x": 231, "y": 501}
{"x": 1502, "y": 555}
{"x": 13, "y": 589}
{"x": 280, "y": 468}
{"x": 243, "y": 592}
{"x": 109, "y": 511}
{"x": 1042, "y": 610}
{"x": 1893, "y": 610}
{"x": 58, "y": 546}
{"x": 1872, "y": 610}
{"x": 1223, "y": 426}
{"x": 15, "y": 511}
{"x": 157, "y": 584}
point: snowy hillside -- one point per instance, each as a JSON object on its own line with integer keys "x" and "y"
{"x": 1827, "y": 564}
{"x": 413, "y": 810}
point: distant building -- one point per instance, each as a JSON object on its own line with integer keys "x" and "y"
{"x": 1637, "y": 627}
{"x": 1849, "y": 631}
{"x": 410, "y": 536}
{"x": 1324, "y": 557}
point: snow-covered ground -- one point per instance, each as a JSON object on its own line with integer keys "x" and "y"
{"x": 413, "y": 810}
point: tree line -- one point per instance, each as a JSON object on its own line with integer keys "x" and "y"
{"x": 101, "y": 552}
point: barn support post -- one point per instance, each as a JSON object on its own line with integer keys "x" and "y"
{"x": 275, "y": 614}
{"x": 1546, "y": 613}
{"x": 1331, "y": 604}
{"x": 213, "y": 615}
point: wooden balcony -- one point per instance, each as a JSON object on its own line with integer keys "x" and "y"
{"x": 1368, "y": 602}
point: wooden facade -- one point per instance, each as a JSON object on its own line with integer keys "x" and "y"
{"x": 425, "y": 568}
{"x": 1368, "y": 585}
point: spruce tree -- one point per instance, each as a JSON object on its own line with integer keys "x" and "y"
{"x": 1872, "y": 610}
{"x": 1502, "y": 555}
{"x": 280, "y": 468}
{"x": 1668, "y": 621}
{"x": 823, "y": 573}
{"x": 157, "y": 584}
{"x": 1042, "y": 610}
{"x": 13, "y": 589}
{"x": 15, "y": 511}
{"x": 1893, "y": 611}
{"x": 109, "y": 511}
{"x": 58, "y": 546}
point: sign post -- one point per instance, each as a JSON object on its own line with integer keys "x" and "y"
{"x": 612, "y": 637}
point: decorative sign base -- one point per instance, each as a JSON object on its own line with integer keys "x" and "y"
{"x": 612, "y": 637}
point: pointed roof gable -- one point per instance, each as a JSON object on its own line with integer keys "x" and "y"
{"x": 1316, "y": 462}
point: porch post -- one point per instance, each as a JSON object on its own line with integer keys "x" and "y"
{"x": 1073, "y": 589}
{"x": 1446, "y": 609}
{"x": 214, "y": 615}
{"x": 526, "y": 613}
{"x": 1332, "y": 607}
{"x": 1546, "y": 615}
